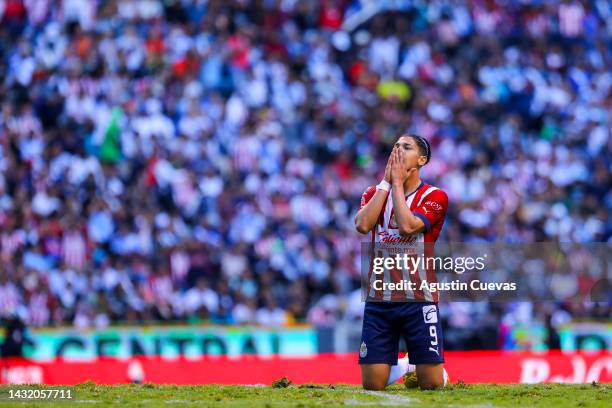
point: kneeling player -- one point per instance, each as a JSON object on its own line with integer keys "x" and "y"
{"x": 402, "y": 208}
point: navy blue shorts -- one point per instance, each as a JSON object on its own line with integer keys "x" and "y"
{"x": 385, "y": 322}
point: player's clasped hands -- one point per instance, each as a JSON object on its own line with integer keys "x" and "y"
{"x": 397, "y": 170}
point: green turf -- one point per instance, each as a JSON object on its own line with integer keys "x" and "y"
{"x": 456, "y": 395}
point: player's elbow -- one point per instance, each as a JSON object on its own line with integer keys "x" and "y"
{"x": 362, "y": 228}
{"x": 406, "y": 231}
{"x": 361, "y": 224}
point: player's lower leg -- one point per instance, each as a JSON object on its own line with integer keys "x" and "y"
{"x": 427, "y": 377}
{"x": 374, "y": 376}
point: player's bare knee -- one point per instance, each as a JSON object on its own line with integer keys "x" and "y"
{"x": 431, "y": 384}
{"x": 373, "y": 385}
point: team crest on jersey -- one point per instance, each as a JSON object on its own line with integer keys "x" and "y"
{"x": 363, "y": 350}
{"x": 429, "y": 314}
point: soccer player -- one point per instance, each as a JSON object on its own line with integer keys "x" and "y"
{"x": 403, "y": 208}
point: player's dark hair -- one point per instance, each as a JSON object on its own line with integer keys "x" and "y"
{"x": 424, "y": 146}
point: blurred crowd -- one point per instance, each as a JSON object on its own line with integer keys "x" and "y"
{"x": 203, "y": 160}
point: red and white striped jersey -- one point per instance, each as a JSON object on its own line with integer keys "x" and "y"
{"x": 430, "y": 204}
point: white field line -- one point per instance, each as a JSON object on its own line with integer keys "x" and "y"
{"x": 489, "y": 405}
{"x": 140, "y": 401}
{"x": 387, "y": 399}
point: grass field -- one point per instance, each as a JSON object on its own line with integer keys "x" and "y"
{"x": 456, "y": 395}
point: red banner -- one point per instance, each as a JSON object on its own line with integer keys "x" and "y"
{"x": 469, "y": 367}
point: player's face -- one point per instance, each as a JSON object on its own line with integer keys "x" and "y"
{"x": 412, "y": 154}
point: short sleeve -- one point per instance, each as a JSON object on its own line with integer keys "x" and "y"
{"x": 367, "y": 196}
{"x": 433, "y": 208}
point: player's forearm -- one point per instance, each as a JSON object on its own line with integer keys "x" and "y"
{"x": 407, "y": 222}
{"x": 367, "y": 217}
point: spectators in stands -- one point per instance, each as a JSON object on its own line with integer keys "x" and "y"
{"x": 204, "y": 159}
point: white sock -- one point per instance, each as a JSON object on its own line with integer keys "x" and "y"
{"x": 445, "y": 375}
{"x": 397, "y": 371}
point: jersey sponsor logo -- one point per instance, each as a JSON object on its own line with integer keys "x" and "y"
{"x": 387, "y": 237}
{"x": 429, "y": 314}
{"x": 363, "y": 350}
{"x": 433, "y": 205}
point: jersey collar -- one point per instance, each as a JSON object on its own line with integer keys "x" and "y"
{"x": 417, "y": 189}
